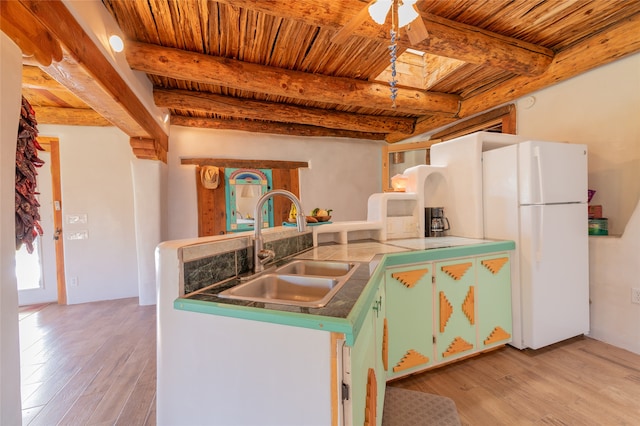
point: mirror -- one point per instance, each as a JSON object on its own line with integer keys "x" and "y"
{"x": 243, "y": 190}
{"x": 398, "y": 158}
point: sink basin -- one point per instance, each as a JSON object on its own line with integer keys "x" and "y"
{"x": 323, "y": 268}
{"x": 296, "y": 290}
{"x": 301, "y": 283}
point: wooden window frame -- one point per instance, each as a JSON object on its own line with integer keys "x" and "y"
{"x": 503, "y": 118}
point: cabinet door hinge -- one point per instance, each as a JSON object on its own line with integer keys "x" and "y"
{"x": 345, "y": 391}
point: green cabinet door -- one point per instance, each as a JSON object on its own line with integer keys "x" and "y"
{"x": 494, "y": 300}
{"x": 367, "y": 372}
{"x": 455, "y": 308}
{"x": 381, "y": 345}
{"x": 409, "y": 296}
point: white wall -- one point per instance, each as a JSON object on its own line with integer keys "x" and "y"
{"x": 10, "y": 89}
{"x": 95, "y": 165}
{"x": 601, "y": 109}
{"x": 615, "y": 269}
{"x": 342, "y": 172}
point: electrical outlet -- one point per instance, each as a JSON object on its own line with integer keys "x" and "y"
{"x": 635, "y": 295}
{"x": 73, "y": 281}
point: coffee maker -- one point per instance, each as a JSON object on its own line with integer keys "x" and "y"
{"x": 435, "y": 222}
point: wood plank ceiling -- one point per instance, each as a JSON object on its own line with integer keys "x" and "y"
{"x": 321, "y": 67}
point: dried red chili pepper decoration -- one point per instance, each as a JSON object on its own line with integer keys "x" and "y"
{"x": 27, "y": 161}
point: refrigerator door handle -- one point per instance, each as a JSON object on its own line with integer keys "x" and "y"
{"x": 537, "y": 155}
{"x": 539, "y": 223}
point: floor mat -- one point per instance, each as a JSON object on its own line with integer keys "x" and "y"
{"x": 403, "y": 407}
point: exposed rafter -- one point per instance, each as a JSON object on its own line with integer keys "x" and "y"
{"x": 183, "y": 65}
{"x": 446, "y": 38}
{"x": 87, "y": 73}
{"x": 279, "y": 112}
{"x": 271, "y": 127}
{"x": 615, "y": 42}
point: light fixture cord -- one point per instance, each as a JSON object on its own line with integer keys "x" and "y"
{"x": 393, "y": 52}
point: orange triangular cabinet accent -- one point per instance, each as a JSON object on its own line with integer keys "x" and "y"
{"x": 385, "y": 346}
{"x": 457, "y": 271}
{"x": 411, "y": 359}
{"x": 409, "y": 278}
{"x": 371, "y": 409}
{"x": 468, "y": 306}
{"x": 498, "y": 334}
{"x": 458, "y": 345}
{"x": 494, "y": 265}
{"x": 445, "y": 311}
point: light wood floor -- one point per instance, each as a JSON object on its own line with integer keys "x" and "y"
{"x": 577, "y": 382}
{"x": 94, "y": 364}
{"x": 88, "y": 364}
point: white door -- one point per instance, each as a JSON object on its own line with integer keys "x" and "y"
{"x": 554, "y": 272}
{"x": 36, "y": 272}
{"x": 552, "y": 172}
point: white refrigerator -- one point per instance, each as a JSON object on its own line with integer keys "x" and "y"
{"x": 535, "y": 193}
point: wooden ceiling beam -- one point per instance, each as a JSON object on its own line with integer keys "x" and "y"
{"x": 32, "y": 37}
{"x": 615, "y": 42}
{"x": 34, "y": 77}
{"x": 183, "y": 65}
{"x": 270, "y": 127}
{"x": 69, "y": 116}
{"x": 90, "y": 76}
{"x": 445, "y": 37}
{"x": 284, "y": 113}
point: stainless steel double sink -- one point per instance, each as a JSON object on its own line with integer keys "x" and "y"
{"x": 305, "y": 283}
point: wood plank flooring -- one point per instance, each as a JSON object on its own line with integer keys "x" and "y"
{"x": 577, "y": 382}
{"x": 88, "y": 364}
{"x": 94, "y": 364}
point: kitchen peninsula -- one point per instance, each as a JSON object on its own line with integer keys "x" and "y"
{"x": 410, "y": 305}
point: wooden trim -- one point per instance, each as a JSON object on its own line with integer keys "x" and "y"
{"x": 487, "y": 120}
{"x": 52, "y": 145}
{"x": 247, "y": 164}
{"x": 336, "y": 398}
{"x": 388, "y": 149}
{"x": 211, "y": 220}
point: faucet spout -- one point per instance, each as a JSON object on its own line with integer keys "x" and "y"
{"x": 261, "y": 256}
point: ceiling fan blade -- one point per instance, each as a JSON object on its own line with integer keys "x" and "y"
{"x": 416, "y": 31}
{"x": 347, "y": 30}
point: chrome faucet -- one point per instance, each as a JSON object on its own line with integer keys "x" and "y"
{"x": 260, "y": 255}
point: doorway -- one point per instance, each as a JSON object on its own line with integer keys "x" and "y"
{"x": 40, "y": 275}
